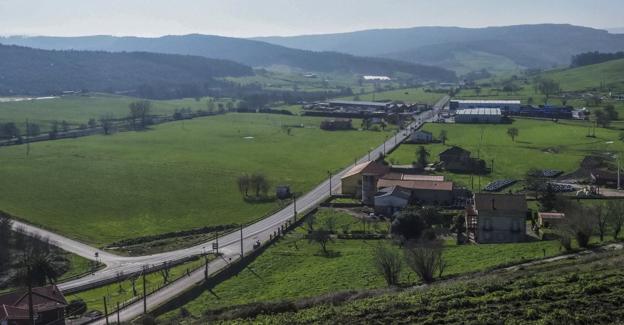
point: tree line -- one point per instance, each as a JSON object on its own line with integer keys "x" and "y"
{"x": 595, "y": 57}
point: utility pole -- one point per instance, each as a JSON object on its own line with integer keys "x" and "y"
{"x": 205, "y": 268}
{"x": 369, "y": 154}
{"x": 118, "y": 321}
{"x": 31, "y": 312}
{"x": 294, "y": 207}
{"x": 618, "y": 173}
{"x": 330, "y": 183}
{"x": 215, "y": 245}
{"x": 106, "y": 311}
{"x": 241, "y": 235}
{"x": 144, "y": 291}
{"x": 27, "y": 138}
{"x": 384, "y": 145}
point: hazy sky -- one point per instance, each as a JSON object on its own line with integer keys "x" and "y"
{"x": 288, "y": 17}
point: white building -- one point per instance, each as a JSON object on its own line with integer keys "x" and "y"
{"x": 503, "y": 105}
{"x": 478, "y": 115}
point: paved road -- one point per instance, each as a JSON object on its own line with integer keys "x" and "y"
{"x": 230, "y": 244}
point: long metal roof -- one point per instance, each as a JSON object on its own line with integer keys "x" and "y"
{"x": 479, "y": 111}
{"x": 356, "y": 103}
{"x": 486, "y": 101}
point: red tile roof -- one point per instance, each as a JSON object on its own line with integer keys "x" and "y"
{"x": 369, "y": 167}
{"x": 44, "y": 299}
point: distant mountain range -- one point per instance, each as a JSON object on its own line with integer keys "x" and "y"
{"x": 617, "y": 30}
{"x": 466, "y": 49}
{"x": 248, "y": 52}
{"x": 26, "y": 71}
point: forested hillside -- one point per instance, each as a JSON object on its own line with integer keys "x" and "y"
{"x": 26, "y": 71}
{"x": 248, "y": 52}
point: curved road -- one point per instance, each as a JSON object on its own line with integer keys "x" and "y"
{"x": 229, "y": 244}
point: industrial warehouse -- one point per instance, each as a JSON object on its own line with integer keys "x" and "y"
{"x": 478, "y": 115}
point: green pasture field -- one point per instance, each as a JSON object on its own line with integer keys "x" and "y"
{"x": 78, "y": 109}
{"x": 540, "y": 144}
{"x": 294, "y": 268}
{"x": 608, "y": 74}
{"x": 175, "y": 176}
{"x": 415, "y": 95}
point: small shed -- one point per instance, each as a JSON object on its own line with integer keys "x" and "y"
{"x": 420, "y": 136}
{"x": 282, "y": 192}
{"x": 390, "y": 200}
{"x": 548, "y": 219}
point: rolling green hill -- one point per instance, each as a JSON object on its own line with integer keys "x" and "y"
{"x": 532, "y": 46}
{"x": 608, "y": 74}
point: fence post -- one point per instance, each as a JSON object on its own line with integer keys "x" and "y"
{"x": 118, "y": 322}
{"x": 144, "y": 292}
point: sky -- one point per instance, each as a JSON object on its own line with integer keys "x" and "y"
{"x": 247, "y": 18}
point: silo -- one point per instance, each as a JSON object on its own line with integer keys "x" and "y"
{"x": 369, "y": 188}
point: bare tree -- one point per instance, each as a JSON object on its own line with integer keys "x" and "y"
{"x": 322, "y": 237}
{"x": 259, "y": 183}
{"x": 600, "y": 215}
{"x": 243, "y": 182}
{"x": 423, "y": 257}
{"x": 388, "y": 263}
{"x": 615, "y": 216}
{"x": 579, "y": 223}
{"x": 139, "y": 110}
{"x": 106, "y": 121}
{"x": 164, "y": 272}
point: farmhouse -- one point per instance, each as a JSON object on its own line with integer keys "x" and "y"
{"x": 421, "y": 137}
{"x": 48, "y": 305}
{"x": 548, "y": 219}
{"x": 458, "y": 160}
{"x": 496, "y": 218}
{"x": 390, "y": 200}
{"x": 479, "y": 115}
{"x": 352, "y": 181}
{"x": 507, "y": 106}
{"x": 423, "y": 191}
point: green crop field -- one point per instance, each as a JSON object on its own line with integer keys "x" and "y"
{"x": 293, "y": 268}
{"x": 78, "y": 110}
{"x": 180, "y": 175}
{"x": 582, "y": 291}
{"x": 540, "y": 144}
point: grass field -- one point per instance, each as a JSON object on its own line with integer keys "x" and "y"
{"x": 78, "y": 110}
{"x": 122, "y": 292}
{"x": 180, "y": 175}
{"x": 414, "y": 95}
{"x": 540, "y": 144}
{"x": 608, "y": 74}
{"x": 293, "y": 268}
{"x": 582, "y": 291}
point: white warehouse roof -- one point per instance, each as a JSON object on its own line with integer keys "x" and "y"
{"x": 487, "y": 101}
{"x": 479, "y": 111}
